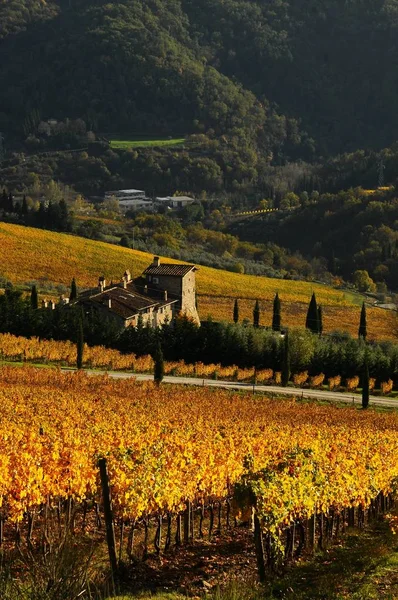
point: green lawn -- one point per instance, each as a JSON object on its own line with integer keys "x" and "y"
{"x": 146, "y": 143}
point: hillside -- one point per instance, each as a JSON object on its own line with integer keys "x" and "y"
{"x": 351, "y": 230}
{"x": 262, "y": 71}
{"x": 28, "y": 255}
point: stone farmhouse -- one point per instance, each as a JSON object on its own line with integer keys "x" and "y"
{"x": 158, "y": 295}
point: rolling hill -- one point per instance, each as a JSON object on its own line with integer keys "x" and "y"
{"x": 33, "y": 255}
{"x": 185, "y": 66}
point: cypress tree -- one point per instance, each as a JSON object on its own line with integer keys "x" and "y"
{"x": 80, "y": 344}
{"x": 236, "y": 311}
{"x": 285, "y": 361}
{"x": 256, "y": 314}
{"x": 276, "y": 315}
{"x": 362, "y": 331}
{"x": 158, "y": 372}
{"x": 312, "y": 321}
{"x": 34, "y": 300}
{"x": 24, "y": 206}
{"x": 365, "y": 384}
{"x": 4, "y": 200}
{"x": 73, "y": 291}
{"x": 320, "y": 322}
{"x": 10, "y": 203}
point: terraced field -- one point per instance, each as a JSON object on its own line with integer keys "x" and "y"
{"x": 28, "y": 254}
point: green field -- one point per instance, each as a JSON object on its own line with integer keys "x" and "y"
{"x": 146, "y": 143}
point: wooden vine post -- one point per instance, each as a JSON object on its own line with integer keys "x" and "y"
{"x": 107, "y": 500}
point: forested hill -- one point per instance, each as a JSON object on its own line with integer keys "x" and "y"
{"x": 189, "y": 66}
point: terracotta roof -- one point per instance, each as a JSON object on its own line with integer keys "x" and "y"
{"x": 169, "y": 269}
{"x": 124, "y": 302}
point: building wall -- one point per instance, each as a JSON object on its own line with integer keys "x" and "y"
{"x": 188, "y": 303}
{"x": 184, "y": 288}
{"x": 154, "y": 317}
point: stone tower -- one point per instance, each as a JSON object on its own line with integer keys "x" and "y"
{"x": 178, "y": 281}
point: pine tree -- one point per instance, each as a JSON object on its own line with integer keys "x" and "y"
{"x": 365, "y": 384}
{"x": 276, "y": 315}
{"x": 320, "y": 320}
{"x": 80, "y": 344}
{"x": 73, "y": 291}
{"x": 34, "y": 300}
{"x": 312, "y": 321}
{"x": 285, "y": 361}
{"x": 158, "y": 372}
{"x": 362, "y": 331}
{"x": 256, "y": 314}
{"x": 236, "y": 311}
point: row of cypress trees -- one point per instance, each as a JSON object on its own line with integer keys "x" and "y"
{"x": 313, "y": 322}
{"x": 276, "y": 313}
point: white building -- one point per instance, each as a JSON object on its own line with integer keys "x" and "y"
{"x": 130, "y": 199}
{"x": 126, "y": 195}
{"x": 174, "y": 201}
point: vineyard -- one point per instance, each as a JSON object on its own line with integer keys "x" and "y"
{"x": 171, "y": 450}
{"x": 28, "y": 254}
{"x": 63, "y": 353}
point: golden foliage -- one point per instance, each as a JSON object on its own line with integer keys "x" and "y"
{"x": 352, "y": 383}
{"x": 334, "y": 382}
{"x": 171, "y": 444}
{"x": 386, "y": 387}
{"x": 300, "y": 378}
{"x": 317, "y": 380}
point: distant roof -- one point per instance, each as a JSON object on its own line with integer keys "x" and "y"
{"x": 125, "y": 192}
{"x": 169, "y": 269}
{"x": 174, "y": 198}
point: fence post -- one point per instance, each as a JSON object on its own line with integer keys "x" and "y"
{"x": 110, "y": 531}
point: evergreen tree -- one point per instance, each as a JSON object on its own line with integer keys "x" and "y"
{"x": 4, "y": 200}
{"x": 362, "y": 331}
{"x": 320, "y": 320}
{"x": 24, "y": 206}
{"x": 64, "y": 218}
{"x": 286, "y": 361}
{"x": 73, "y": 291}
{"x": 365, "y": 384}
{"x": 158, "y": 372}
{"x": 34, "y": 300}
{"x": 276, "y": 315}
{"x": 256, "y": 314}
{"x": 236, "y": 311}
{"x": 125, "y": 241}
{"x": 80, "y": 343}
{"x": 312, "y": 320}
{"x": 10, "y": 203}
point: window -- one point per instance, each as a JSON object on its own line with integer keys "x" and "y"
{"x": 155, "y": 280}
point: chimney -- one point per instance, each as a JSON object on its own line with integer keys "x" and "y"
{"x": 124, "y": 283}
{"x": 101, "y": 284}
{"x": 127, "y": 276}
{"x": 156, "y": 261}
{"x": 109, "y": 303}
{"x": 165, "y": 295}
{"x": 44, "y": 304}
{"x": 52, "y": 305}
